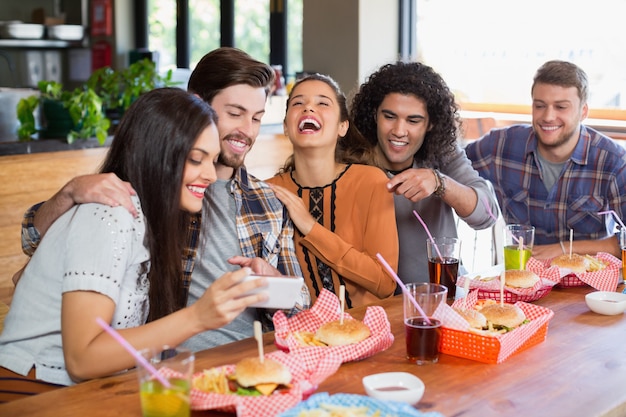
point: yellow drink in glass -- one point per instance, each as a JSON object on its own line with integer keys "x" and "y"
{"x": 512, "y": 257}
{"x": 158, "y": 401}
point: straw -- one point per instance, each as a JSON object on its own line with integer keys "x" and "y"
{"x": 614, "y": 215}
{"x": 404, "y": 288}
{"x": 484, "y": 200}
{"x": 140, "y": 359}
{"x": 429, "y": 235}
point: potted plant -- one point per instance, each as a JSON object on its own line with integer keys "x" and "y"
{"x": 73, "y": 114}
{"x": 119, "y": 89}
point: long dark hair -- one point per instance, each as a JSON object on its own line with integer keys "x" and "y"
{"x": 150, "y": 148}
{"x": 421, "y": 81}
{"x": 353, "y": 148}
{"x": 226, "y": 66}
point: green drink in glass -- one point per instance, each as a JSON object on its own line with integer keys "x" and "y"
{"x": 159, "y": 401}
{"x": 514, "y": 258}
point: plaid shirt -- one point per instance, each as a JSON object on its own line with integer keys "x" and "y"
{"x": 593, "y": 179}
{"x": 263, "y": 227}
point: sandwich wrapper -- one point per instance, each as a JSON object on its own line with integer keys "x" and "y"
{"x": 605, "y": 280}
{"x": 327, "y": 308}
{"x": 490, "y": 289}
{"x": 307, "y": 373}
{"x": 457, "y": 340}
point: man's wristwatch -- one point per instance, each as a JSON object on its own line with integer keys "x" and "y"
{"x": 441, "y": 183}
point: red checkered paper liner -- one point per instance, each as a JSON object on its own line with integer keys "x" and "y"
{"x": 508, "y": 343}
{"x": 604, "y": 280}
{"x": 327, "y": 308}
{"x": 307, "y": 373}
{"x": 491, "y": 289}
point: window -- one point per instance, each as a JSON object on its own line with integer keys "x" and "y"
{"x": 251, "y": 30}
{"x": 488, "y": 50}
{"x": 204, "y": 25}
{"x": 162, "y": 31}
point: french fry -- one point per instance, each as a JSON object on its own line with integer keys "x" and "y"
{"x": 212, "y": 380}
{"x": 595, "y": 264}
{"x": 307, "y": 339}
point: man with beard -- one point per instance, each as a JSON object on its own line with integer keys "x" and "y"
{"x": 243, "y": 224}
{"x": 557, "y": 174}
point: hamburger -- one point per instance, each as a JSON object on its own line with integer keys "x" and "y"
{"x": 503, "y": 316}
{"x": 335, "y": 333}
{"x": 520, "y": 278}
{"x": 475, "y": 318}
{"x": 250, "y": 377}
{"x": 264, "y": 377}
{"x": 578, "y": 264}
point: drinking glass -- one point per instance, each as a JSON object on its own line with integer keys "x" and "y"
{"x": 444, "y": 254}
{"x": 176, "y": 366}
{"x": 515, "y": 255}
{"x": 622, "y": 244}
{"x": 423, "y": 333}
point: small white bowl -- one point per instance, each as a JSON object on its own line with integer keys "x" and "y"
{"x": 394, "y": 386}
{"x": 606, "y": 302}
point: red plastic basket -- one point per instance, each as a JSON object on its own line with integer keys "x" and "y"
{"x": 496, "y": 349}
{"x": 512, "y": 298}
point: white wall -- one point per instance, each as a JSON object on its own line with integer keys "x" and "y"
{"x": 348, "y": 39}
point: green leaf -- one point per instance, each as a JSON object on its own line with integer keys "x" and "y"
{"x": 26, "y": 116}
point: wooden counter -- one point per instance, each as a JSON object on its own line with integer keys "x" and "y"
{"x": 579, "y": 370}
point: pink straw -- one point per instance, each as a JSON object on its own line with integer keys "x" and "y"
{"x": 404, "y": 288}
{"x": 115, "y": 335}
{"x": 614, "y": 215}
{"x": 429, "y": 235}
{"x": 486, "y": 203}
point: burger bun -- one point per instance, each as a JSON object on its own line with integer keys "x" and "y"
{"x": 576, "y": 263}
{"x": 250, "y": 372}
{"x": 520, "y": 278}
{"x": 507, "y": 315}
{"x": 476, "y": 319}
{"x": 335, "y": 333}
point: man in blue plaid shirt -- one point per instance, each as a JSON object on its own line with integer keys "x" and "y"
{"x": 242, "y": 222}
{"x": 557, "y": 174}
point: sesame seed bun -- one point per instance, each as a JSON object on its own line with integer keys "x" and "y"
{"x": 250, "y": 372}
{"x": 578, "y": 264}
{"x": 335, "y": 334}
{"x": 520, "y": 278}
{"x": 508, "y": 315}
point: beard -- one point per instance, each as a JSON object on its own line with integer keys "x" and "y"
{"x": 562, "y": 139}
{"x": 230, "y": 159}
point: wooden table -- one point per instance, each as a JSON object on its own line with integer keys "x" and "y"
{"x": 580, "y": 370}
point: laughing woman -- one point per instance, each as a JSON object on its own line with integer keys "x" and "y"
{"x": 342, "y": 211}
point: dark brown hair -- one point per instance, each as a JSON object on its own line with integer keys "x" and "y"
{"x": 150, "y": 149}
{"x": 563, "y": 74}
{"x": 350, "y": 149}
{"x": 225, "y": 67}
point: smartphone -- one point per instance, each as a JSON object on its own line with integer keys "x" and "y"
{"x": 283, "y": 291}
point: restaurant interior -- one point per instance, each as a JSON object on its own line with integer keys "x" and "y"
{"x": 570, "y": 363}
